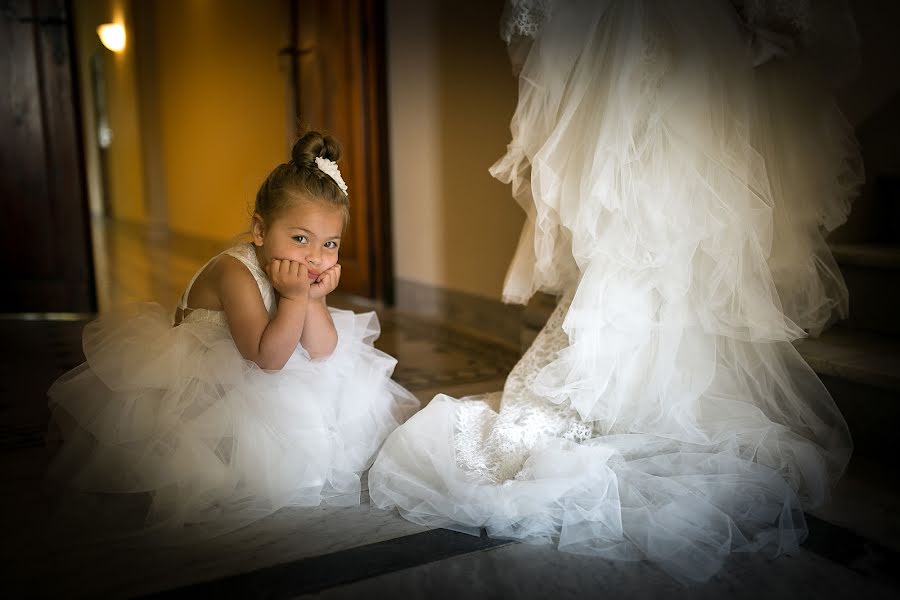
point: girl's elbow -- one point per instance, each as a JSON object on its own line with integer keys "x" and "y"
{"x": 266, "y": 363}
{"x": 270, "y": 366}
{"x": 322, "y": 352}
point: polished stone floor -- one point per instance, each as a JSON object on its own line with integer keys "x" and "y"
{"x": 363, "y": 552}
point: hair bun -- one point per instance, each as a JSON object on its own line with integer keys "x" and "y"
{"x": 314, "y": 144}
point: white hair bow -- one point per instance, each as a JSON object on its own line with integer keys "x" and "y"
{"x": 330, "y": 168}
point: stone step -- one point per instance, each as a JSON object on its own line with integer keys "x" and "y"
{"x": 862, "y": 371}
{"x": 860, "y": 356}
{"x": 876, "y": 256}
{"x": 872, "y": 273}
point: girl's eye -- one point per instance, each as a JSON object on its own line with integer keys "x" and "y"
{"x": 331, "y": 245}
{"x": 300, "y": 238}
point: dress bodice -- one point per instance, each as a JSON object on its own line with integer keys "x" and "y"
{"x": 247, "y": 255}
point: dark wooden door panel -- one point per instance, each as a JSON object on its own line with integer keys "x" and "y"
{"x": 46, "y": 260}
{"x": 340, "y": 89}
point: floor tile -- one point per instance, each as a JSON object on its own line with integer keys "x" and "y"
{"x": 122, "y": 570}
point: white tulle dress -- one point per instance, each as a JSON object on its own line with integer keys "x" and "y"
{"x": 677, "y": 191}
{"x": 169, "y": 432}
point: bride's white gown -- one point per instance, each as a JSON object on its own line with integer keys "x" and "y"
{"x": 677, "y": 195}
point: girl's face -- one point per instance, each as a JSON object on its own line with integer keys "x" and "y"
{"x": 305, "y": 232}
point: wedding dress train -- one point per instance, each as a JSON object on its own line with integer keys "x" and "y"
{"x": 677, "y": 196}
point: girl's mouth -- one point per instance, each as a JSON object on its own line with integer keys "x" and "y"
{"x": 313, "y": 275}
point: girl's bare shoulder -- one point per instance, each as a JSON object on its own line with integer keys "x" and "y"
{"x": 223, "y": 275}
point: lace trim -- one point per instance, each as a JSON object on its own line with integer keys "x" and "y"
{"x": 777, "y": 15}
{"x": 524, "y": 17}
{"x": 474, "y": 421}
{"x": 247, "y": 255}
{"x": 496, "y": 446}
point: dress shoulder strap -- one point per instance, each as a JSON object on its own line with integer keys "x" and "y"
{"x": 182, "y": 304}
{"x": 247, "y": 255}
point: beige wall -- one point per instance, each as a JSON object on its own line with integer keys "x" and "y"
{"x": 875, "y": 81}
{"x": 221, "y": 108}
{"x": 125, "y": 173}
{"x": 451, "y": 97}
{"x": 870, "y": 101}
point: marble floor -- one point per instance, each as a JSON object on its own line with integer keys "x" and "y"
{"x": 361, "y": 551}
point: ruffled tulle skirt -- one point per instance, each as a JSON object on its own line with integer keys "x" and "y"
{"x": 677, "y": 201}
{"x": 169, "y": 432}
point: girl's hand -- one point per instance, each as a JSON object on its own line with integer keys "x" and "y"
{"x": 289, "y": 278}
{"x": 326, "y": 283}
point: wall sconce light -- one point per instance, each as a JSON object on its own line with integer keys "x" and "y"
{"x": 112, "y": 35}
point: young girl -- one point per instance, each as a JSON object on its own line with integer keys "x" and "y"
{"x": 259, "y": 396}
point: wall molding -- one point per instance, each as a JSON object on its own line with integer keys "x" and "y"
{"x": 475, "y": 315}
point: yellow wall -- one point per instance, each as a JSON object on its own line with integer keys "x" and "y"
{"x": 125, "y": 171}
{"x": 222, "y": 109}
{"x": 221, "y": 125}
{"x": 451, "y": 97}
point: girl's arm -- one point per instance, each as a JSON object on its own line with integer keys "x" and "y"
{"x": 319, "y": 335}
{"x": 267, "y": 342}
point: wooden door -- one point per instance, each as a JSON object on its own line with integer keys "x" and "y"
{"x": 339, "y": 87}
{"x": 45, "y": 258}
